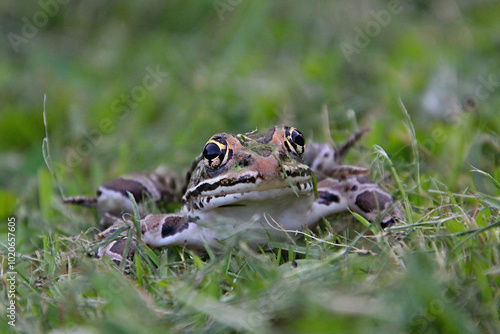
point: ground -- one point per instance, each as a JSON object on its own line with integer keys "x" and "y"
{"x": 128, "y": 86}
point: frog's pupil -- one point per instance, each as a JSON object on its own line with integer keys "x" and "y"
{"x": 211, "y": 151}
{"x": 298, "y": 138}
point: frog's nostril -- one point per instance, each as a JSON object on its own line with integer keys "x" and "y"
{"x": 246, "y": 161}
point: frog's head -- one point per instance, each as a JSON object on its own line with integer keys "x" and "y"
{"x": 250, "y": 171}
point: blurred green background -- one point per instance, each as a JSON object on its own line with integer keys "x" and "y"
{"x": 236, "y": 66}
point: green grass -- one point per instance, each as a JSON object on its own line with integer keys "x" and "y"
{"x": 265, "y": 63}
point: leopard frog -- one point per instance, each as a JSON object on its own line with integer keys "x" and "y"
{"x": 260, "y": 184}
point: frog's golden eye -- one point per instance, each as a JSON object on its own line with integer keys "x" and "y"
{"x": 215, "y": 153}
{"x": 294, "y": 141}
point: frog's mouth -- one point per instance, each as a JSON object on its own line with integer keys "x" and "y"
{"x": 230, "y": 192}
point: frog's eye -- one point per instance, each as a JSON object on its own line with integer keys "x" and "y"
{"x": 294, "y": 141}
{"x": 215, "y": 153}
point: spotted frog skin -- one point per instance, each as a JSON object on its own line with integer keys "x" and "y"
{"x": 261, "y": 185}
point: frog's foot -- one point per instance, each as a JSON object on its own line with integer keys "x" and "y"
{"x": 157, "y": 230}
{"x": 325, "y": 158}
{"x": 115, "y": 250}
{"x": 357, "y": 194}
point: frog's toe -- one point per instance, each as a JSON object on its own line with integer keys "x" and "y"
{"x": 388, "y": 222}
{"x": 395, "y": 217}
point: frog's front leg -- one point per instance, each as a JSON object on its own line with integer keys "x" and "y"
{"x": 163, "y": 230}
{"x": 157, "y": 230}
{"x": 358, "y": 194}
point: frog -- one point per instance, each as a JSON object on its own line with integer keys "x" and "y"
{"x": 267, "y": 186}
